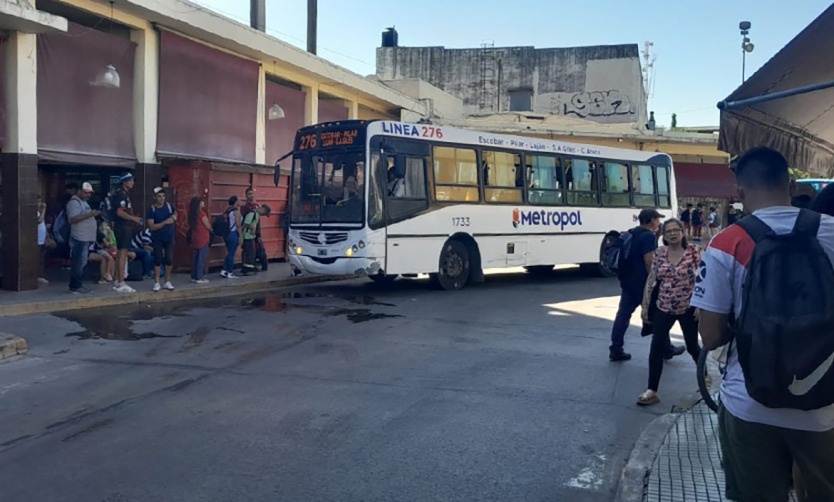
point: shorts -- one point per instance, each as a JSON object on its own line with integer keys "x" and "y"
{"x": 163, "y": 253}
{"x": 758, "y": 460}
{"x": 124, "y": 234}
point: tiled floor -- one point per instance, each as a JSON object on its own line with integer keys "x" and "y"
{"x": 688, "y": 466}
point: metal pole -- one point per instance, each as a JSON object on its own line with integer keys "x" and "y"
{"x": 312, "y": 28}
{"x": 743, "y": 63}
{"x": 730, "y": 105}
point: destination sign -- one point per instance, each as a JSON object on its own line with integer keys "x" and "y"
{"x": 331, "y": 139}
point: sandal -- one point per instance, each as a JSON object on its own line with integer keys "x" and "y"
{"x": 648, "y": 398}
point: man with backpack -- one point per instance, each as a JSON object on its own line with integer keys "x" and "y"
{"x": 83, "y": 227}
{"x": 766, "y": 286}
{"x": 637, "y": 248}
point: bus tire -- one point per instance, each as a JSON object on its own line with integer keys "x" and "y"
{"x": 539, "y": 270}
{"x": 383, "y": 279}
{"x": 454, "y": 267}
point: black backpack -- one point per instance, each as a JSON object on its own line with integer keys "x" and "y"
{"x": 221, "y": 225}
{"x": 617, "y": 250}
{"x": 785, "y": 331}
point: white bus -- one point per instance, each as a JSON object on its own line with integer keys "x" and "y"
{"x": 384, "y": 199}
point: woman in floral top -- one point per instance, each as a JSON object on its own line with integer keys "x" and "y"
{"x": 674, "y": 270}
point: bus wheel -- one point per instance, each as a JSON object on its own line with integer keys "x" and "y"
{"x": 597, "y": 269}
{"x": 539, "y": 270}
{"x": 382, "y": 279}
{"x": 454, "y": 266}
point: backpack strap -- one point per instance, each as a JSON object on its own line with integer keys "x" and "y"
{"x": 807, "y": 223}
{"x": 755, "y": 228}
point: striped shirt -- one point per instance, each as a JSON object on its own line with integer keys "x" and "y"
{"x": 141, "y": 239}
{"x": 718, "y": 288}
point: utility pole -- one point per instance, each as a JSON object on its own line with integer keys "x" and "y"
{"x": 312, "y": 25}
{"x": 746, "y": 46}
{"x": 257, "y": 14}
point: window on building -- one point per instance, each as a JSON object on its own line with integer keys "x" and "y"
{"x": 546, "y": 180}
{"x": 615, "y": 191}
{"x": 663, "y": 186}
{"x": 455, "y": 174}
{"x": 642, "y": 185}
{"x": 521, "y": 100}
{"x": 582, "y": 179}
{"x": 502, "y": 176}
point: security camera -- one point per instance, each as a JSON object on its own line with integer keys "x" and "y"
{"x": 744, "y": 25}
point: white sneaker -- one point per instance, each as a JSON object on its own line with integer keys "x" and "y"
{"x": 223, "y": 273}
{"x": 202, "y": 281}
{"x": 230, "y": 275}
{"x": 156, "y": 287}
{"x": 124, "y": 288}
{"x": 169, "y": 286}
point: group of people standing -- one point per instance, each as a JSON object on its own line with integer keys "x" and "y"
{"x": 699, "y": 222}
{"x": 91, "y": 240}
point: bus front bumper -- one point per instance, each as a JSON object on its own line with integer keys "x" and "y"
{"x": 301, "y": 264}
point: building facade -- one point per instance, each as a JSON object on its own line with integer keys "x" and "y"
{"x": 602, "y": 83}
{"x": 175, "y": 93}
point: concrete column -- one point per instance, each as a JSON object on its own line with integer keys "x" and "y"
{"x": 20, "y": 165}
{"x": 146, "y": 94}
{"x": 353, "y": 109}
{"x": 260, "y": 128}
{"x": 311, "y": 105}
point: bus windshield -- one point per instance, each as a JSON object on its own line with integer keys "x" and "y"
{"x": 328, "y": 188}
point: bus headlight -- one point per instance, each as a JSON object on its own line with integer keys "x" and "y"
{"x": 298, "y": 250}
{"x": 349, "y": 251}
{"x": 361, "y": 244}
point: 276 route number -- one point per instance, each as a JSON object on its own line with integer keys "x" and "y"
{"x": 462, "y": 221}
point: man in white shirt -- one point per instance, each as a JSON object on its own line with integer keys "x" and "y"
{"x": 82, "y": 219}
{"x": 760, "y": 443}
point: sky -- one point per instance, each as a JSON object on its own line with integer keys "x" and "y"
{"x": 697, "y": 45}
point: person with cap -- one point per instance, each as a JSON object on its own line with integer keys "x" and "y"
{"x": 233, "y": 217}
{"x": 83, "y": 227}
{"x": 250, "y": 226}
{"x": 160, "y": 220}
{"x": 633, "y": 275}
{"x": 123, "y": 228}
{"x": 250, "y": 206}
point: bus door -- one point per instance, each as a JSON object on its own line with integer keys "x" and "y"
{"x": 406, "y": 169}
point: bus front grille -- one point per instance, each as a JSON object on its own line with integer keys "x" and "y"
{"x": 324, "y": 238}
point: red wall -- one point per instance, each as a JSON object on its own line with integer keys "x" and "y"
{"x": 216, "y": 183}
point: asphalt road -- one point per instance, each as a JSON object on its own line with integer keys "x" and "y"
{"x": 341, "y": 391}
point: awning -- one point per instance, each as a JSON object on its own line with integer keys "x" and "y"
{"x": 704, "y": 180}
{"x": 799, "y": 125}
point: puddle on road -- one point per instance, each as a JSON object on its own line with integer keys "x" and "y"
{"x": 116, "y": 323}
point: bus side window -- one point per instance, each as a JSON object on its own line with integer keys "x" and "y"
{"x": 642, "y": 185}
{"x": 582, "y": 182}
{"x": 545, "y": 176}
{"x": 500, "y": 177}
{"x": 407, "y": 193}
{"x": 455, "y": 174}
{"x": 663, "y": 186}
{"x": 615, "y": 190}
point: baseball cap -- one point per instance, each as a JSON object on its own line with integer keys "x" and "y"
{"x": 87, "y": 187}
{"x": 647, "y": 215}
{"x": 157, "y": 190}
{"x": 126, "y": 177}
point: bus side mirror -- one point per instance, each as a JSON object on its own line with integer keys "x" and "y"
{"x": 276, "y": 175}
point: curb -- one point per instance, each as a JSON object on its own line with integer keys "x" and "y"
{"x": 636, "y": 472}
{"x": 11, "y": 346}
{"x": 87, "y": 302}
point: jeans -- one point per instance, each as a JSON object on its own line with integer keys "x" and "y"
{"x": 79, "y": 250}
{"x": 248, "y": 256}
{"x": 198, "y": 269}
{"x": 630, "y": 299}
{"x": 232, "y": 242}
{"x": 662, "y": 324}
{"x": 147, "y": 261}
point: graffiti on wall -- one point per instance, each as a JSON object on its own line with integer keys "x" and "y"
{"x": 599, "y": 104}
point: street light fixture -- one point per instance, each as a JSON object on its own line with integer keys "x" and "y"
{"x": 746, "y": 46}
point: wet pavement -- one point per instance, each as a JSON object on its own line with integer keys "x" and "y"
{"x": 344, "y": 391}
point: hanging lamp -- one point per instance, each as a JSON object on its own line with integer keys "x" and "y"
{"x": 108, "y": 76}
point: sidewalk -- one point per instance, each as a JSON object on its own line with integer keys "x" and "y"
{"x": 55, "y": 296}
{"x": 688, "y": 464}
